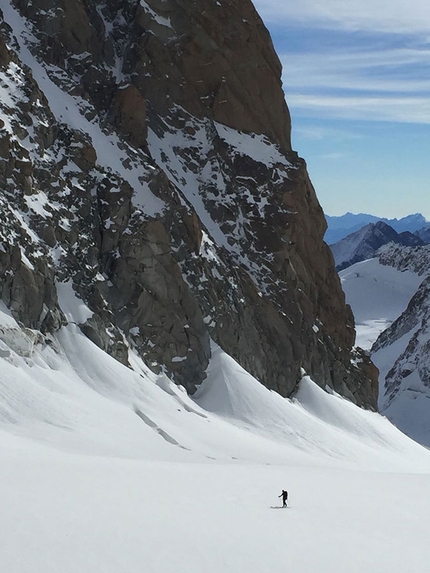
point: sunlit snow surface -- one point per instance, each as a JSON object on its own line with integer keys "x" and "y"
{"x": 378, "y": 294}
{"x": 105, "y": 468}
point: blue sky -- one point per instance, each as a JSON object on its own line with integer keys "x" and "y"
{"x": 357, "y": 82}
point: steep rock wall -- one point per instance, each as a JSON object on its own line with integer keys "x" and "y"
{"x": 163, "y": 185}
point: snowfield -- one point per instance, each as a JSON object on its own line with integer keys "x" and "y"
{"x": 378, "y": 294}
{"x": 107, "y": 468}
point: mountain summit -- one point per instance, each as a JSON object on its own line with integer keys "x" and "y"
{"x": 364, "y": 243}
{"x": 150, "y": 194}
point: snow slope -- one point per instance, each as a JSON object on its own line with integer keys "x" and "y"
{"x": 378, "y": 294}
{"x": 106, "y": 468}
{"x": 394, "y": 303}
{"x": 402, "y": 356}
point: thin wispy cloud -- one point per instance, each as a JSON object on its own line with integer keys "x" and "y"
{"x": 381, "y": 71}
{"x": 393, "y": 71}
{"x": 319, "y": 133}
{"x": 388, "y": 85}
{"x": 360, "y": 98}
{"x": 408, "y": 110}
{"x": 398, "y": 16}
{"x": 334, "y": 156}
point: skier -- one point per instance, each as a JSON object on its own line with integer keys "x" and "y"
{"x": 284, "y": 496}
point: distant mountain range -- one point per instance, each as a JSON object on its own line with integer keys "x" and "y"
{"x": 364, "y": 243}
{"x": 342, "y": 226}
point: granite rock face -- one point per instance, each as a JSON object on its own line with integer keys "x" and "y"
{"x": 145, "y": 162}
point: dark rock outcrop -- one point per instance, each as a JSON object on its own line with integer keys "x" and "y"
{"x": 162, "y": 184}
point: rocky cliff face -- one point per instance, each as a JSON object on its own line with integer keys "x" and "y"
{"x": 145, "y": 164}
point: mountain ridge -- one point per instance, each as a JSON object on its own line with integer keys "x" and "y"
{"x": 364, "y": 243}
{"x": 338, "y": 227}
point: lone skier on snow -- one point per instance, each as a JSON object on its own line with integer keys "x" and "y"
{"x": 284, "y": 496}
